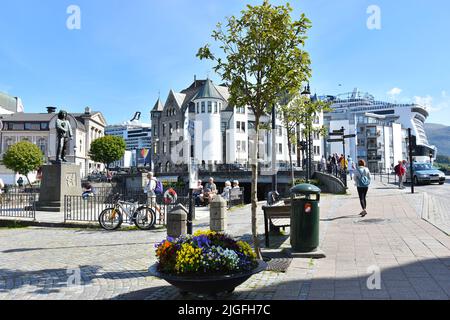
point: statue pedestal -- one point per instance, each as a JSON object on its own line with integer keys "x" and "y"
{"x": 58, "y": 180}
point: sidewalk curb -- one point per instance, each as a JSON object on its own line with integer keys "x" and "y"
{"x": 24, "y": 223}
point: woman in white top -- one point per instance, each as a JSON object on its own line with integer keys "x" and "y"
{"x": 226, "y": 191}
{"x": 362, "y": 180}
{"x": 151, "y": 185}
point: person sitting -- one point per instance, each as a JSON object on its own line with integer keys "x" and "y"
{"x": 206, "y": 197}
{"x": 212, "y": 186}
{"x": 197, "y": 192}
{"x": 226, "y": 191}
{"x": 236, "y": 184}
{"x": 88, "y": 191}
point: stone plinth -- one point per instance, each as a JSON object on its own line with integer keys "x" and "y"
{"x": 58, "y": 180}
{"x": 218, "y": 210}
{"x": 176, "y": 222}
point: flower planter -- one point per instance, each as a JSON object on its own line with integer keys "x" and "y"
{"x": 208, "y": 284}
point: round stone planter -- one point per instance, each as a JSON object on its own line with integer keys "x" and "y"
{"x": 207, "y": 284}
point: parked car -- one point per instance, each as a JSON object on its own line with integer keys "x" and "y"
{"x": 425, "y": 173}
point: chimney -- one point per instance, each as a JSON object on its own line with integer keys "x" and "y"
{"x": 87, "y": 110}
{"x": 51, "y": 109}
{"x": 195, "y": 81}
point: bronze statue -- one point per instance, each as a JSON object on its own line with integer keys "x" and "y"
{"x": 64, "y": 135}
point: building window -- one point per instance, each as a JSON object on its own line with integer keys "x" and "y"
{"x": 216, "y": 107}
{"x": 42, "y": 144}
{"x": 177, "y": 125}
{"x": 170, "y": 128}
{"x": 280, "y": 130}
{"x": 240, "y": 126}
{"x": 240, "y": 110}
{"x": 164, "y": 147}
{"x": 209, "y": 107}
{"x": 203, "y": 107}
{"x": 280, "y": 148}
{"x": 198, "y": 107}
{"x": 164, "y": 130}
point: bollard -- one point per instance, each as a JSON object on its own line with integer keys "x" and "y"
{"x": 176, "y": 221}
{"x": 217, "y": 214}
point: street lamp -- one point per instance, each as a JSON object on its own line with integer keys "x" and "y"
{"x": 307, "y": 93}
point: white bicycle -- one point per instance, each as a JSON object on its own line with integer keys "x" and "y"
{"x": 111, "y": 218}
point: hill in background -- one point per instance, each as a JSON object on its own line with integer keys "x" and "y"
{"x": 439, "y": 135}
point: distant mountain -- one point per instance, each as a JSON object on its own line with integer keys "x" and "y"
{"x": 439, "y": 135}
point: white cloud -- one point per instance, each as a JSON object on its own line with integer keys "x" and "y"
{"x": 394, "y": 92}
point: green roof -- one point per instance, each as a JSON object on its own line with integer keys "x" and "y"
{"x": 208, "y": 91}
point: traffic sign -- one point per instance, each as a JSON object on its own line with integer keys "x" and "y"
{"x": 338, "y": 131}
{"x": 350, "y": 136}
{"x": 336, "y": 134}
{"x": 335, "y": 140}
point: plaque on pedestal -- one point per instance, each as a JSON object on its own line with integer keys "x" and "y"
{"x": 58, "y": 180}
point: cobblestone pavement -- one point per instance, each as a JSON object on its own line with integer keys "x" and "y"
{"x": 412, "y": 255}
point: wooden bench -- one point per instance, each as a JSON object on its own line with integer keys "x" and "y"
{"x": 276, "y": 217}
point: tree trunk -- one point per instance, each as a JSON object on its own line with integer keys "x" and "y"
{"x": 290, "y": 162}
{"x": 254, "y": 194}
{"x": 31, "y": 186}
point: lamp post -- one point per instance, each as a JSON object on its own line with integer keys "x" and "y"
{"x": 307, "y": 93}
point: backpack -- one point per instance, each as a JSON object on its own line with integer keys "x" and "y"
{"x": 364, "y": 181}
{"x": 159, "y": 187}
{"x": 397, "y": 169}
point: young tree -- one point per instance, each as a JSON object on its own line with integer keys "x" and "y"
{"x": 290, "y": 115}
{"x": 306, "y": 111}
{"x": 264, "y": 56}
{"x": 107, "y": 149}
{"x": 23, "y": 158}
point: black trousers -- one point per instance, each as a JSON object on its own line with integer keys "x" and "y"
{"x": 362, "y": 192}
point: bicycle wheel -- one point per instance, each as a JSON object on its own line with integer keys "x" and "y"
{"x": 110, "y": 219}
{"x": 145, "y": 218}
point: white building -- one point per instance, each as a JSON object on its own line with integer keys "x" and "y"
{"x": 9, "y": 104}
{"x": 357, "y": 112}
{"x": 199, "y": 123}
{"x": 138, "y": 139}
{"x": 40, "y": 129}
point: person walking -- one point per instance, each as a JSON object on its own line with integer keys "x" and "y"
{"x": 362, "y": 179}
{"x": 400, "y": 171}
{"x": 351, "y": 167}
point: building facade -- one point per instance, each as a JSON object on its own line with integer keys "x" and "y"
{"x": 198, "y": 123}
{"x": 138, "y": 140}
{"x": 40, "y": 129}
{"x": 9, "y": 104}
{"x": 380, "y": 128}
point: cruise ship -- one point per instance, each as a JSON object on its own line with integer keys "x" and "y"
{"x": 350, "y": 110}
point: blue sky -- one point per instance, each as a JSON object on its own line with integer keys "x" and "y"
{"x": 126, "y": 52}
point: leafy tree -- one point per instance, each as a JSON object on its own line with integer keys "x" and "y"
{"x": 23, "y": 157}
{"x": 107, "y": 149}
{"x": 307, "y": 110}
{"x": 264, "y": 56}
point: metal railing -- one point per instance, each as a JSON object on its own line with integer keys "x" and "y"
{"x": 88, "y": 208}
{"x": 18, "y": 205}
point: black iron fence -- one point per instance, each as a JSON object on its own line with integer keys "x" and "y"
{"x": 18, "y": 205}
{"x": 88, "y": 208}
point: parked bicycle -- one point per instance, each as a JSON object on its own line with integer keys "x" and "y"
{"x": 142, "y": 216}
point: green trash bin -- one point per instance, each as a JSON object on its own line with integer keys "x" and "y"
{"x": 305, "y": 217}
